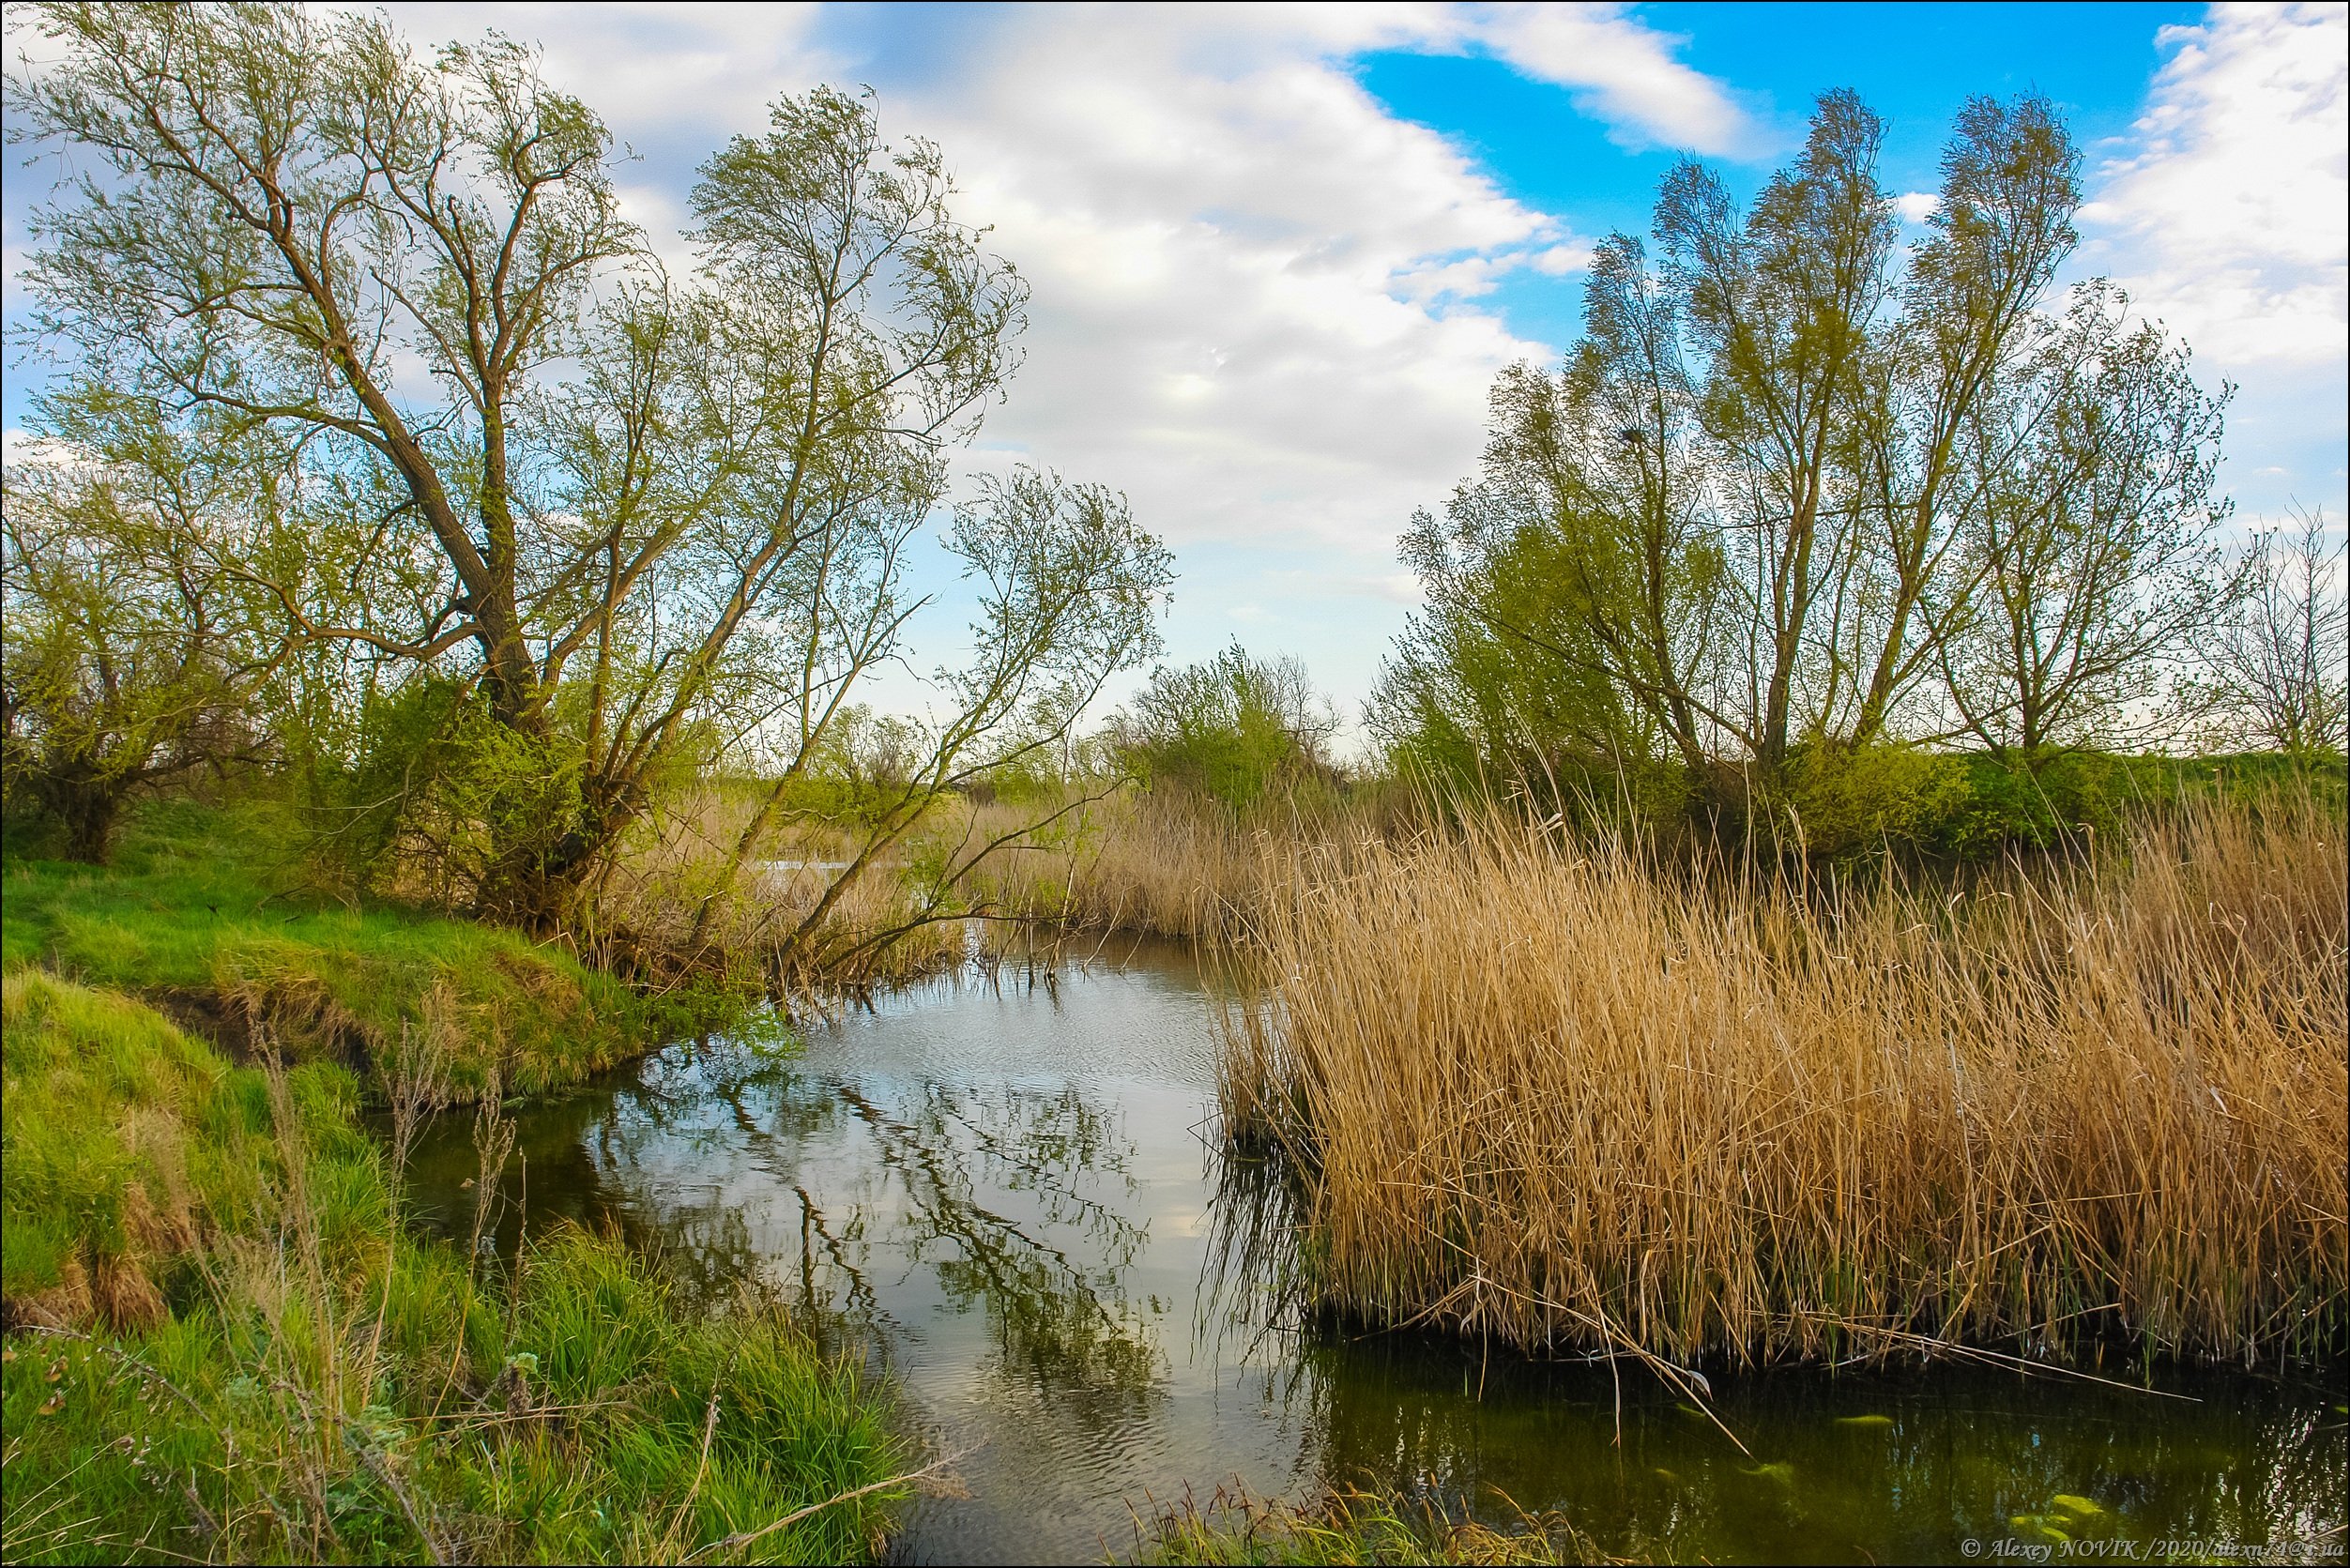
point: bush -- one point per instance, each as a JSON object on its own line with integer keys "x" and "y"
{"x": 1843, "y": 801}
{"x": 1230, "y": 729}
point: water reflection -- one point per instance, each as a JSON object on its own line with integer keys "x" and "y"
{"x": 1888, "y": 1464}
{"x": 993, "y": 1194}
{"x": 1004, "y": 1191}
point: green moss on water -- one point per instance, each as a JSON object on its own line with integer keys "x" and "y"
{"x": 223, "y": 1345}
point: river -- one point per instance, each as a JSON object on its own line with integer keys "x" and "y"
{"x": 1007, "y": 1192}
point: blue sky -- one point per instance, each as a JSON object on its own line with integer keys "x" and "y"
{"x": 1915, "y": 65}
{"x": 1279, "y": 253}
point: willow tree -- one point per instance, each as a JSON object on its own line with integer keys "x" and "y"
{"x": 2093, "y": 538}
{"x": 131, "y": 659}
{"x": 1795, "y": 463}
{"x": 631, "y": 517}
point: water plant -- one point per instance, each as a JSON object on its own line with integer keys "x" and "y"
{"x": 1569, "y": 1095}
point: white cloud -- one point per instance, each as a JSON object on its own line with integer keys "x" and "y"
{"x": 1254, "y": 288}
{"x": 1621, "y": 73}
{"x": 2226, "y": 214}
{"x": 1916, "y": 207}
{"x": 648, "y": 67}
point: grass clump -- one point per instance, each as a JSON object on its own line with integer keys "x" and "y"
{"x": 125, "y": 1141}
{"x": 1566, "y": 1094}
{"x": 222, "y": 1345}
{"x": 197, "y": 917}
{"x": 1349, "y": 1527}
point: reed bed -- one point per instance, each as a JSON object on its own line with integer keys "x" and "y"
{"x": 1564, "y": 1095}
{"x": 1079, "y": 863}
{"x": 1158, "y": 864}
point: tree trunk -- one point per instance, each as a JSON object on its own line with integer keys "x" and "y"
{"x": 86, "y": 805}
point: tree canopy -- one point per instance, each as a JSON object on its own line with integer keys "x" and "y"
{"x": 1803, "y": 484}
{"x": 636, "y": 519}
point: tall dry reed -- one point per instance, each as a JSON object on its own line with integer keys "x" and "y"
{"x": 1132, "y": 860}
{"x": 651, "y": 906}
{"x": 1560, "y": 1094}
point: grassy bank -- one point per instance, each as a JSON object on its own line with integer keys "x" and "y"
{"x": 1563, "y": 1094}
{"x": 204, "y": 914}
{"x": 223, "y": 1347}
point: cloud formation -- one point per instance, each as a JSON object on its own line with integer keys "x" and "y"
{"x": 1261, "y": 298}
{"x": 2227, "y": 218}
{"x": 1254, "y": 288}
{"x": 1620, "y": 71}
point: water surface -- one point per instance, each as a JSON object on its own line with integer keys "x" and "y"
{"x": 1007, "y": 1190}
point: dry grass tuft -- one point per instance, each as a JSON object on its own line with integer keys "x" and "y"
{"x": 1347, "y": 1526}
{"x": 1557, "y": 1094}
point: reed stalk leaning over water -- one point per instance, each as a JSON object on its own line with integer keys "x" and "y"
{"x": 1561, "y": 1095}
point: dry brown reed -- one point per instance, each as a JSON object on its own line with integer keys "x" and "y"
{"x": 650, "y": 908}
{"x": 1084, "y": 860}
{"x": 1156, "y": 864}
{"x": 1559, "y": 1093}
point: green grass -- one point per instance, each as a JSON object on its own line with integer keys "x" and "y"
{"x": 126, "y": 1142}
{"x": 203, "y": 913}
{"x": 223, "y": 1346}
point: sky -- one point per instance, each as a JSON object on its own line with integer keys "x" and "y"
{"x": 1279, "y": 253}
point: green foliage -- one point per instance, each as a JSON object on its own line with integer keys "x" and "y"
{"x": 1845, "y": 801}
{"x": 1229, "y": 729}
{"x": 2036, "y": 802}
{"x": 444, "y": 801}
{"x": 130, "y": 654}
{"x": 403, "y": 741}
{"x": 2060, "y": 796}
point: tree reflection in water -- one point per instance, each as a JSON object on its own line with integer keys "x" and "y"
{"x": 709, "y": 1155}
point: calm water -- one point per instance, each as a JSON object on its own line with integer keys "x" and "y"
{"x": 1004, "y": 1191}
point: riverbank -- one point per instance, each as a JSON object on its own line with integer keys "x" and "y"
{"x": 225, "y": 1340}
{"x": 1565, "y": 1095}
{"x": 202, "y": 916}
{"x": 224, "y": 1344}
